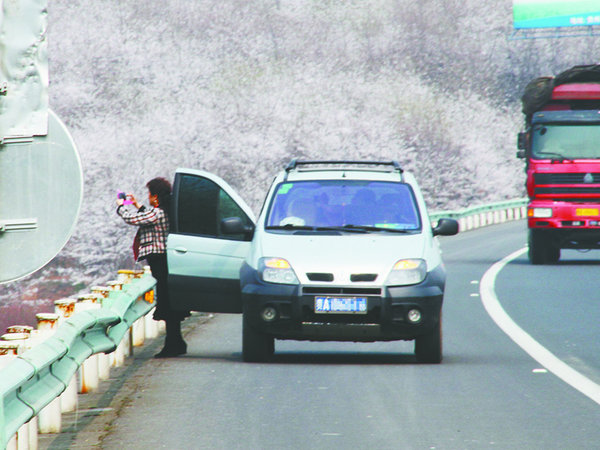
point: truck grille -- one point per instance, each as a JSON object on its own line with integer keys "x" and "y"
{"x": 567, "y": 186}
{"x": 566, "y": 178}
{"x": 567, "y": 190}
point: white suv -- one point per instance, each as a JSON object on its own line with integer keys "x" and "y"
{"x": 342, "y": 250}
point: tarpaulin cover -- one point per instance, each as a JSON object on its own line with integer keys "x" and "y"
{"x": 539, "y": 91}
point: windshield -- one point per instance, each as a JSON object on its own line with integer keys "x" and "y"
{"x": 344, "y": 203}
{"x": 566, "y": 141}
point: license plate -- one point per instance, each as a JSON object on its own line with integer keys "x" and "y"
{"x": 341, "y": 305}
{"x": 586, "y": 212}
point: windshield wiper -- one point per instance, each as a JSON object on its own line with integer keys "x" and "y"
{"x": 289, "y": 226}
{"x": 363, "y": 229}
{"x": 553, "y": 156}
{"x": 350, "y": 229}
{"x": 347, "y": 228}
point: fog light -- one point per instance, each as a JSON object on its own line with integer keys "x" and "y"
{"x": 414, "y": 316}
{"x": 269, "y": 314}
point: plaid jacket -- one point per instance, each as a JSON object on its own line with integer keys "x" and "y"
{"x": 154, "y": 227}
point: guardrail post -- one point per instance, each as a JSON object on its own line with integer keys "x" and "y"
{"x": 33, "y": 433}
{"x": 95, "y": 302}
{"x": 116, "y": 357}
{"x": 150, "y": 325}
{"x": 124, "y": 348}
{"x": 47, "y": 321}
{"x": 68, "y": 399}
{"x": 49, "y": 418}
{"x": 88, "y": 371}
{"x": 138, "y": 332}
{"x": 65, "y": 307}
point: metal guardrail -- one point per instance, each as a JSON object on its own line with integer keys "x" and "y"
{"x": 34, "y": 379}
{"x": 479, "y": 216}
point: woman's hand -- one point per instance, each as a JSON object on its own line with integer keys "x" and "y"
{"x": 134, "y": 201}
{"x": 130, "y": 198}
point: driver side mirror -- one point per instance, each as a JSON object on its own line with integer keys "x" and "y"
{"x": 235, "y": 225}
{"x": 446, "y": 227}
{"x": 522, "y": 141}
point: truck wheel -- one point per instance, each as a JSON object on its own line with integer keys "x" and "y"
{"x": 537, "y": 252}
{"x": 553, "y": 254}
{"x": 541, "y": 249}
{"x": 428, "y": 348}
{"x": 256, "y": 346}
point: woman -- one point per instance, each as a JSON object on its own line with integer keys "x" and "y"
{"x": 153, "y": 226}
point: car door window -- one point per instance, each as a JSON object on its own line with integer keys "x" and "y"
{"x": 201, "y": 205}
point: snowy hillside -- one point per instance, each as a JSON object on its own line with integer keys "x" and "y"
{"x": 240, "y": 87}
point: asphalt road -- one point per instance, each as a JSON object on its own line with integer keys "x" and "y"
{"x": 487, "y": 393}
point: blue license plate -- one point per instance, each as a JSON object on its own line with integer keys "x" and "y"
{"x": 341, "y": 305}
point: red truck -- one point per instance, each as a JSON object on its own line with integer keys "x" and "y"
{"x": 561, "y": 148}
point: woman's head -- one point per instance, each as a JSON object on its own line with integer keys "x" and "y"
{"x": 159, "y": 192}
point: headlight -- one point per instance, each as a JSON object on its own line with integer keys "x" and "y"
{"x": 277, "y": 270}
{"x": 540, "y": 213}
{"x": 407, "y": 271}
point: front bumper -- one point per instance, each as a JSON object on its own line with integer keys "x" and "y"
{"x": 385, "y": 319}
{"x": 572, "y": 225}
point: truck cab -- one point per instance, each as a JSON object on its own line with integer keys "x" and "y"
{"x": 560, "y": 147}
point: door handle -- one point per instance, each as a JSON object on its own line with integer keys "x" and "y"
{"x": 181, "y": 249}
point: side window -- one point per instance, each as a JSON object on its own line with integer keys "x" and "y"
{"x": 228, "y": 208}
{"x": 197, "y": 206}
{"x": 201, "y": 204}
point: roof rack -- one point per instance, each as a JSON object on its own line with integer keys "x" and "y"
{"x": 295, "y": 163}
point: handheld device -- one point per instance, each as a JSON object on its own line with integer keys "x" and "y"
{"x": 123, "y": 195}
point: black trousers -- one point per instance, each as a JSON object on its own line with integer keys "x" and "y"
{"x": 160, "y": 271}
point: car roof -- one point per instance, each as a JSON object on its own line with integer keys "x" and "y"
{"x": 348, "y": 170}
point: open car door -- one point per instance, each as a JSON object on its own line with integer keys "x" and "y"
{"x": 204, "y": 263}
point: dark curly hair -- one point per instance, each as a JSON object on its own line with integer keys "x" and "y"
{"x": 162, "y": 188}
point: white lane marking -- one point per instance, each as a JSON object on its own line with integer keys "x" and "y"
{"x": 548, "y": 360}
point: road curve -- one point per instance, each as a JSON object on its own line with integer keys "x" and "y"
{"x": 488, "y": 392}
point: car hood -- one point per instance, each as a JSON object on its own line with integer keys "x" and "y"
{"x": 342, "y": 255}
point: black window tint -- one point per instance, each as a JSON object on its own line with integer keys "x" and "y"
{"x": 229, "y": 208}
{"x": 202, "y": 205}
{"x": 197, "y": 206}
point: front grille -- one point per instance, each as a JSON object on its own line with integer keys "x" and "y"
{"x": 566, "y": 178}
{"x": 326, "y": 290}
{"x": 567, "y": 190}
{"x": 581, "y": 200}
{"x": 585, "y": 183}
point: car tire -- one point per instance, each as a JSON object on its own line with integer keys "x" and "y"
{"x": 428, "y": 347}
{"x": 256, "y": 346}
